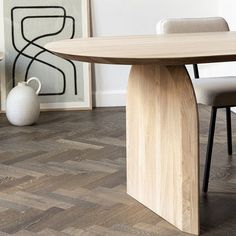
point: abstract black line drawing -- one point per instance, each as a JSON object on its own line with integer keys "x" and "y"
{"x": 28, "y": 26}
{"x": 33, "y": 42}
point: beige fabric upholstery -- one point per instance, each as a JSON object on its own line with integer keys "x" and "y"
{"x": 192, "y": 25}
{"x": 218, "y": 91}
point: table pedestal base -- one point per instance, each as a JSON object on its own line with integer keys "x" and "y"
{"x": 163, "y": 144}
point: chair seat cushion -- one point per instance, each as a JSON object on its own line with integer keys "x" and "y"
{"x": 216, "y": 91}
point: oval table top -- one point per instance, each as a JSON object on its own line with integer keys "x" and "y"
{"x": 172, "y": 49}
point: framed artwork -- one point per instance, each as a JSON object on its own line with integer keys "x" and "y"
{"x": 28, "y": 26}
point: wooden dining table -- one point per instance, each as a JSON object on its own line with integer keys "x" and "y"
{"x": 162, "y": 113}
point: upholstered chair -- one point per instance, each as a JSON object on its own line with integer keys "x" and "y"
{"x": 217, "y": 92}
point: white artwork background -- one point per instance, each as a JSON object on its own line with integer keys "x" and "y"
{"x": 29, "y": 25}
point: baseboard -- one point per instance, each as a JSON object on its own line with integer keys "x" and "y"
{"x": 116, "y": 98}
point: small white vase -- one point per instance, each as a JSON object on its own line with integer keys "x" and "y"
{"x": 22, "y": 105}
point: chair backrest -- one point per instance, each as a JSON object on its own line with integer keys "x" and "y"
{"x": 192, "y": 25}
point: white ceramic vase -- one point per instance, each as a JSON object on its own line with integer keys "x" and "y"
{"x": 22, "y": 105}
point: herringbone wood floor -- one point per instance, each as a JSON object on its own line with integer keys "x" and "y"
{"x": 66, "y": 176}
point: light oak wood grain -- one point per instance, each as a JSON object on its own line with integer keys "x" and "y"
{"x": 162, "y": 146}
{"x": 162, "y": 115}
{"x": 175, "y": 49}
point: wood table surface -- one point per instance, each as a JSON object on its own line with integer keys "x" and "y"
{"x": 172, "y": 49}
{"x": 162, "y": 113}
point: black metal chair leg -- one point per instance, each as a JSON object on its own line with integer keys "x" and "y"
{"x": 209, "y": 149}
{"x": 229, "y": 130}
{"x": 196, "y": 71}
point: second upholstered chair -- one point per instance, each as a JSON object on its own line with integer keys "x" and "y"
{"x": 217, "y": 92}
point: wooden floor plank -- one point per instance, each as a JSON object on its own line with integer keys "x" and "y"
{"x": 77, "y": 185}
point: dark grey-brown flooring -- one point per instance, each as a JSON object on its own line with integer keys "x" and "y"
{"x": 66, "y": 176}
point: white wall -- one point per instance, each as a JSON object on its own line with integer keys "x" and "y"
{"x": 135, "y": 17}
{"x": 226, "y": 9}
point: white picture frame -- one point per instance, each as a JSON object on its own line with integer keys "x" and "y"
{"x": 86, "y": 74}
